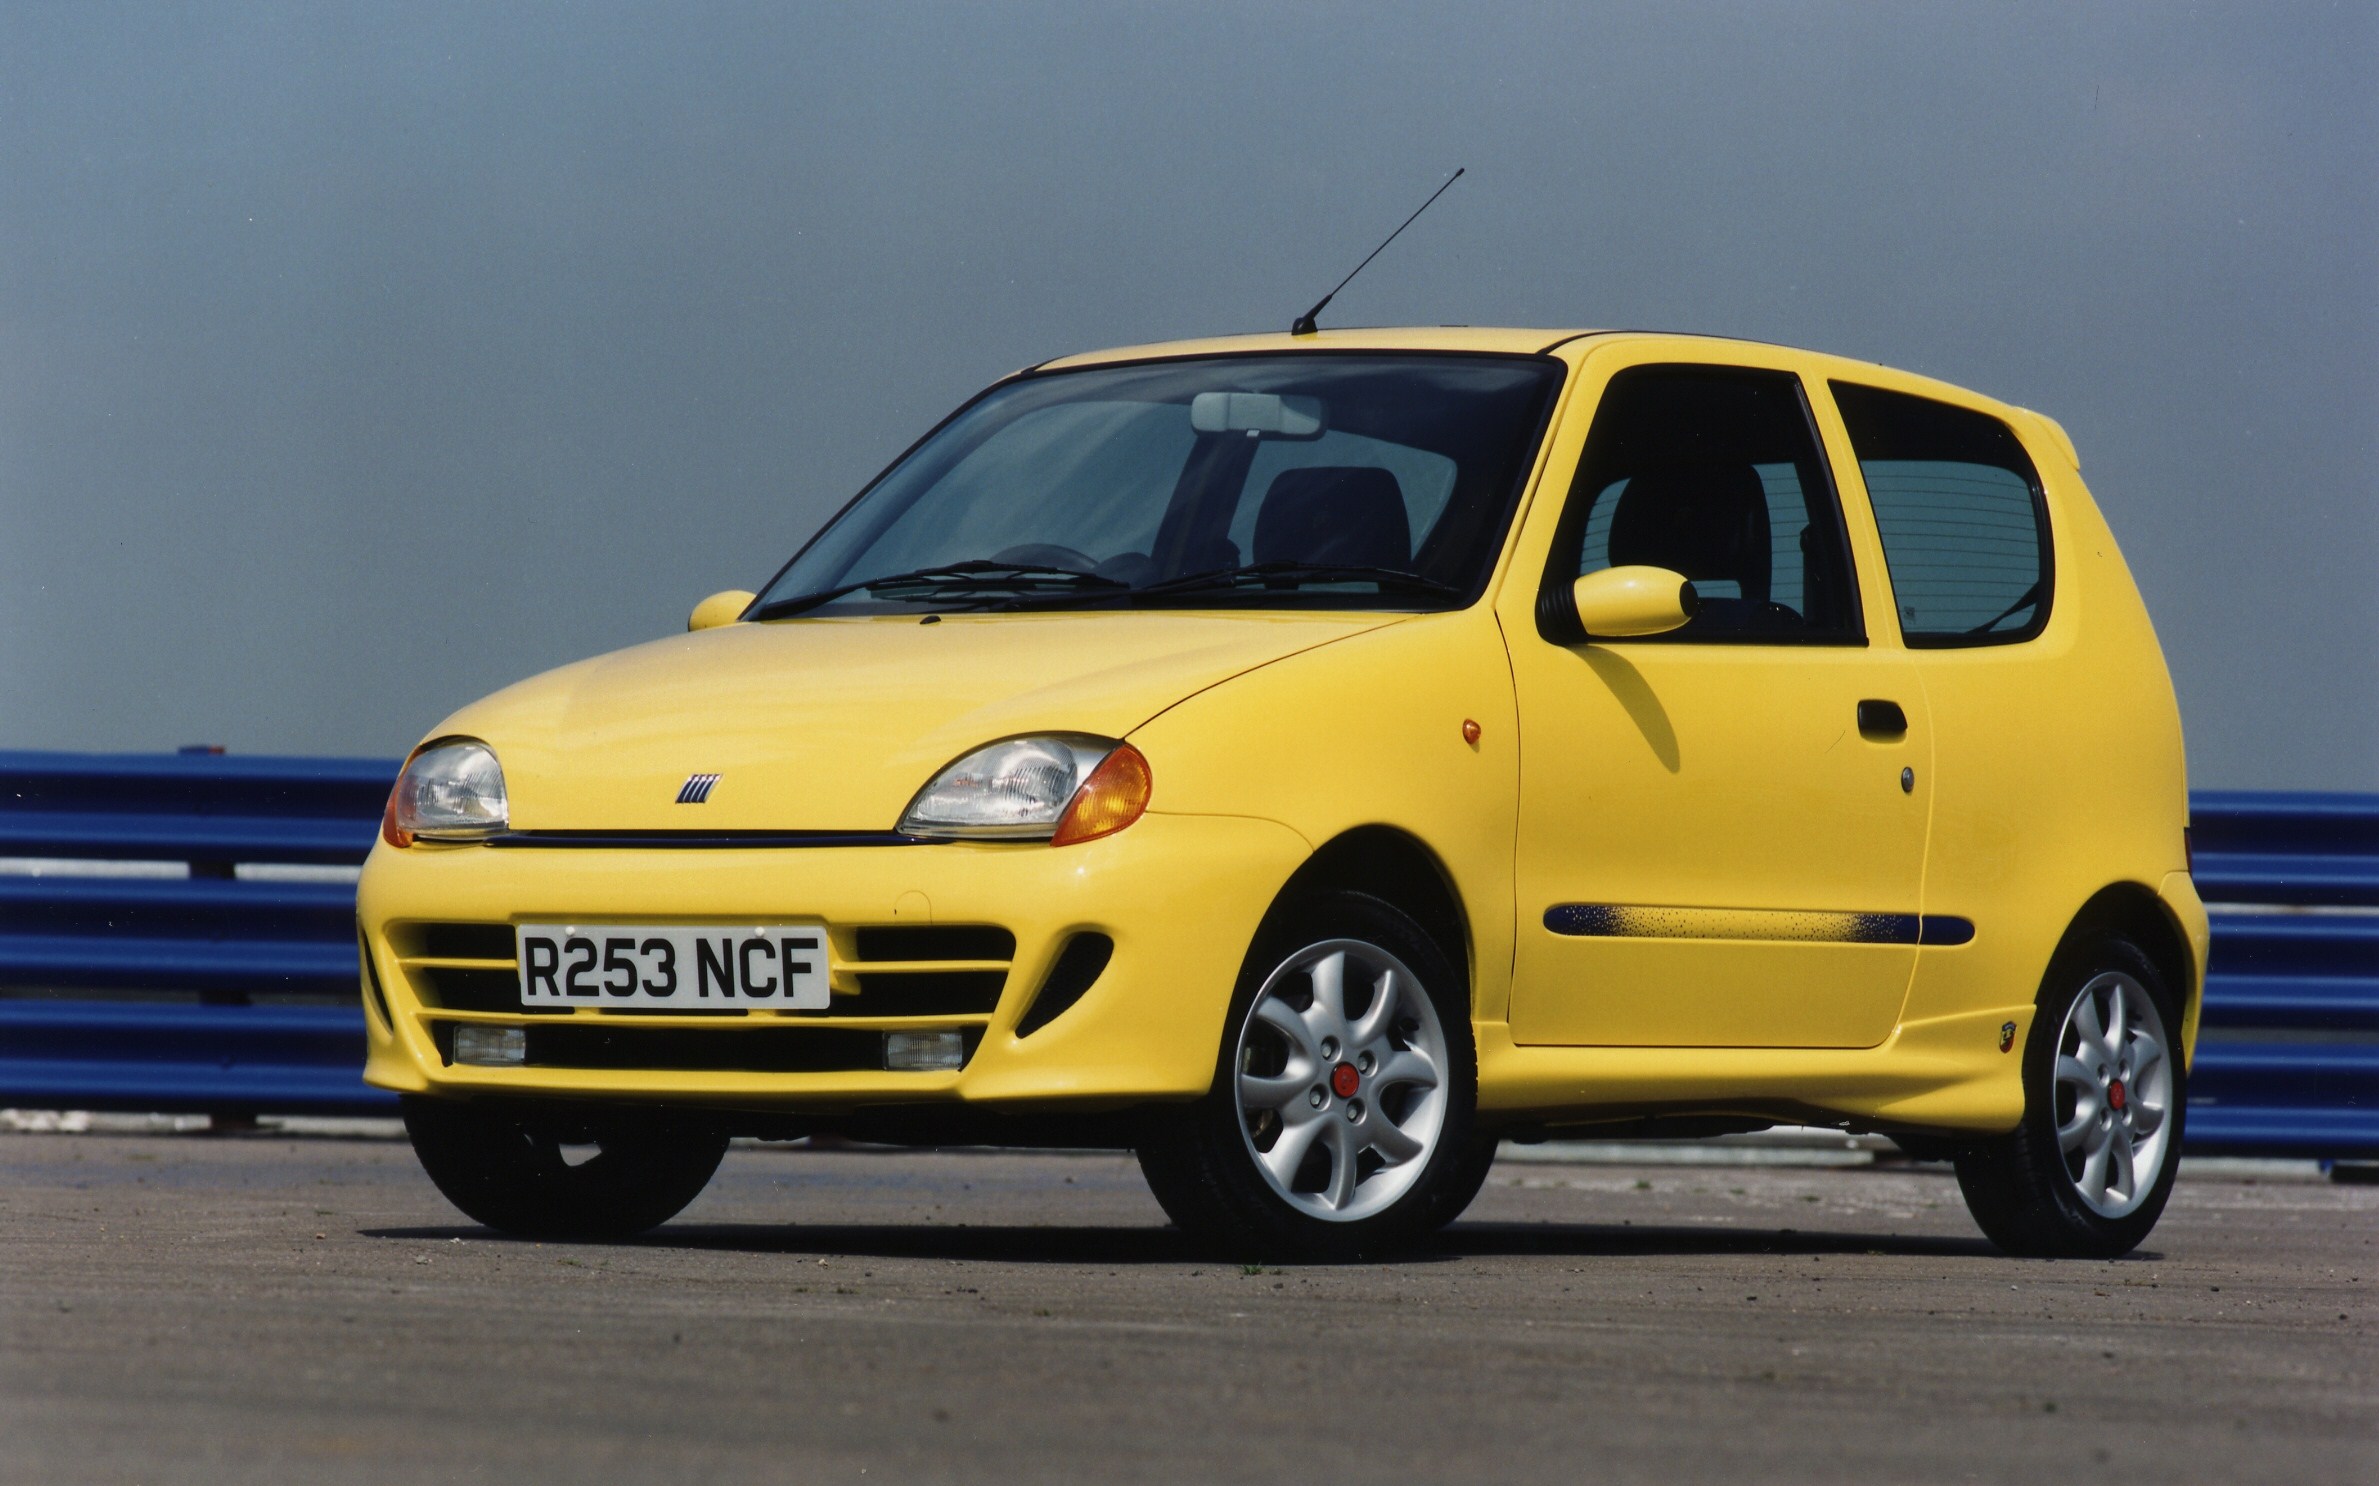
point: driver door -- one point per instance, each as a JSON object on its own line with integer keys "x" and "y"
{"x": 1717, "y": 844}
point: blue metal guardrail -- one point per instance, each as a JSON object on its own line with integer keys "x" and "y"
{"x": 264, "y": 1016}
{"x": 258, "y": 1011}
{"x": 2288, "y": 1053}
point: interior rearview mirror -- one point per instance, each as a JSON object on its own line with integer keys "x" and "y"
{"x": 1620, "y": 602}
{"x": 718, "y": 609}
{"x": 1264, "y": 415}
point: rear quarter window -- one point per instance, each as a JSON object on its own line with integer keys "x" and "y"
{"x": 1958, "y": 505}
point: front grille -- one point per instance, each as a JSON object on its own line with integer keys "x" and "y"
{"x": 928, "y": 993}
{"x": 454, "y": 988}
{"x": 463, "y": 941}
{"x": 463, "y": 967}
{"x": 933, "y": 942}
{"x": 891, "y": 970}
{"x": 589, "y": 1044}
{"x": 927, "y": 970}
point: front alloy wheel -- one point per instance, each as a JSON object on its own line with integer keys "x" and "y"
{"x": 1341, "y": 1118}
{"x": 1341, "y": 1087}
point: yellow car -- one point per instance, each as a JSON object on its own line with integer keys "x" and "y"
{"x": 1305, "y": 760}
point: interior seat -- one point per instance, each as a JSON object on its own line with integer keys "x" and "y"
{"x": 1340, "y": 515}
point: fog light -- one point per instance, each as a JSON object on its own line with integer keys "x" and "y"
{"x": 491, "y": 1047}
{"x": 924, "y": 1052}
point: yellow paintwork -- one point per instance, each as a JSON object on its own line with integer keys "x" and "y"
{"x": 1618, "y": 602}
{"x": 1727, "y": 783}
{"x": 833, "y": 724}
{"x": 1133, "y": 1035}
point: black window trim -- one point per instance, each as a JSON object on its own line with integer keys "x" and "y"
{"x": 2039, "y": 622}
{"x": 1556, "y": 606}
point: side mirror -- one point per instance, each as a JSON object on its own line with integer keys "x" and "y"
{"x": 719, "y": 608}
{"x": 1620, "y": 602}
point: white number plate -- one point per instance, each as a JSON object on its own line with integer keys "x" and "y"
{"x": 779, "y": 966}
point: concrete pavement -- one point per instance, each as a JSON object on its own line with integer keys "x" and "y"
{"x": 177, "y": 1308}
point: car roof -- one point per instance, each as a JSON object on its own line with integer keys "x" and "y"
{"x": 1509, "y": 340}
{"x": 1505, "y": 340}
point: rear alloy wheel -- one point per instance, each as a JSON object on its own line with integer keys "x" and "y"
{"x": 559, "y": 1172}
{"x": 2087, "y": 1173}
{"x": 1340, "y": 1121}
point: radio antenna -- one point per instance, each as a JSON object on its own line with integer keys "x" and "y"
{"x": 1303, "y": 324}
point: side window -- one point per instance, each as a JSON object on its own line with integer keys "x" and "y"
{"x": 1715, "y": 473}
{"x": 1958, "y": 505}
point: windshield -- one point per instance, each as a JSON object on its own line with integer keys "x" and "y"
{"x": 1305, "y": 480}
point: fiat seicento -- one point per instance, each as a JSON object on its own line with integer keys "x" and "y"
{"x": 1307, "y": 760}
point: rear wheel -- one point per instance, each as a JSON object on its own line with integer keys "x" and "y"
{"x": 2087, "y": 1173}
{"x": 1341, "y": 1120}
{"x": 562, "y": 1173}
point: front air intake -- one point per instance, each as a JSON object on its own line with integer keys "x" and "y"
{"x": 1078, "y": 967}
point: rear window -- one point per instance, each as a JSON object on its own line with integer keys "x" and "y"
{"x": 1958, "y": 505}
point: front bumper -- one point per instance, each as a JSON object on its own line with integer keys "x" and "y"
{"x": 1179, "y": 896}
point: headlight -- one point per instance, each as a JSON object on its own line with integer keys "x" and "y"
{"x": 450, "y": 791}
{"x": 1056, "y": 787}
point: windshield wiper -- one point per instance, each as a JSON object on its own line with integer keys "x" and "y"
{"x": 1295, "y": 574}
{"x": 972, "y": 576}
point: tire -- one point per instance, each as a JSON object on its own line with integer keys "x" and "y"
{"x": 1336, "y": 1127}
{"x": 2088, "y": 1171}
{"x": 505, "y": 1167}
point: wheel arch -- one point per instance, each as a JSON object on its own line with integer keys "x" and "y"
{"x": 1393, "y": 865}
{"x": 2134, "y": 911}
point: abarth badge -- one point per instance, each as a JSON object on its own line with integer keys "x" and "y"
{"x": 697, "y": 789}
{"x": 2007, "y": 1035}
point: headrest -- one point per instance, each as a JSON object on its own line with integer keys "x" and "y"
{"x": 1704, "y": 521}
{"x": 1349, "y": 515}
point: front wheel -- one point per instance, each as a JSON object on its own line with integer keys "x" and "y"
{"x": 1341, "y": 1120}
{"x": 562, "y": 1173}
{"x": 2087, "y": 1173}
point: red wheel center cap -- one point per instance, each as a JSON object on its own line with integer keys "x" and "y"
{"x": 1344, "y": 1080}
{"x": 2114, "y": 1094}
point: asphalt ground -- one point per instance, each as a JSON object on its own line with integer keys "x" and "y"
{"x": 179, "y": 1308}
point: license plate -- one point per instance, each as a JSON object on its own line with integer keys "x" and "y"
{"x": 781, "y": 966}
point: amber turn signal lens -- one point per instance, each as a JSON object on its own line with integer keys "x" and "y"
{"x": 390, "y": 831}
{"x": 1112, "y": 797}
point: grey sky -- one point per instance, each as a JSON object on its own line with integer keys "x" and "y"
{"x": 357, "y": 360}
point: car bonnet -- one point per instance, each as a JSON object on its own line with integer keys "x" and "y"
{"x": 834, "y": 724}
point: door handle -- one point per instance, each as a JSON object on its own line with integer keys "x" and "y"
{"x": 1882, "y": 720}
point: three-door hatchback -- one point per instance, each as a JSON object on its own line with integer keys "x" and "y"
{"x": 1306, "y": 760}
